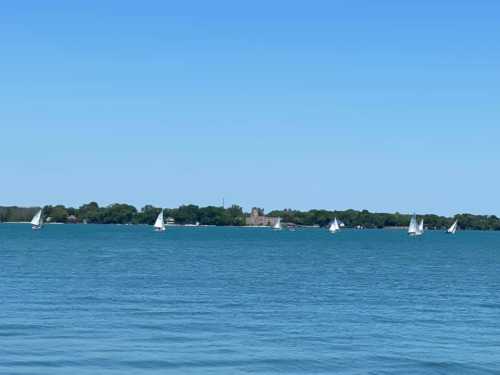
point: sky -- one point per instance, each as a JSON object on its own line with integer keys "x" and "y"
{"x": 381, "y": 105}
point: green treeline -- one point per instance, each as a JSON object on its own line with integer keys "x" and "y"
{"x": 120, "y": 213}
{"x": 366, "y": 219}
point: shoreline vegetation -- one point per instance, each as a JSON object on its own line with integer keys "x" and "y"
{"x": 121, "y": 213}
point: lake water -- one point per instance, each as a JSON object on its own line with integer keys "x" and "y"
{"x": 99, "y": 299}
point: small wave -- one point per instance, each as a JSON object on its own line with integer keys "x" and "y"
{"x": 401, "y": 365}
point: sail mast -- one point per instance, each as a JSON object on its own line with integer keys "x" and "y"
{"x": 453, "y": 228}
{"x": 421, "y": 227}
{"x": 277, "y": 225}
{"x": 413, "y": 227}
{"x": 334, "y": 226}
{"x": 160, "y": 223}
{"x": 37, "y": 220}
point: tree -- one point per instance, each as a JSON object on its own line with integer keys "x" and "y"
{"x": 118, "y": 213}
{"x": 90, "y": 213}
{"x": 147, "y": 215}
{"x": 57, "y": 214}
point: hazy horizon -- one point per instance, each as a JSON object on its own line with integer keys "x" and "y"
{"x": 385, "y": 106}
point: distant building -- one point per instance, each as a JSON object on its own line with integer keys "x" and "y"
{"x": 257, "y": 217}
{"x": 72, "y": 219}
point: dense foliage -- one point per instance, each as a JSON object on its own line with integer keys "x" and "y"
{"x": 366, "y": 219}
{"x": 17, "y": 213}
{"x": 120, "y": 213}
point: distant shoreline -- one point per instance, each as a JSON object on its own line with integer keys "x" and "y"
{"x": 122, "y": 213}
{"x": 404, "y": 229}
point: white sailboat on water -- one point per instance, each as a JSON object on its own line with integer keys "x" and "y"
{"x": 159, "y": 223}
{"x": 453, "y": 228}
{"x": 277, "y": 225}
{"x": 421, "y": 227}
{"x": 334, "y": 226}
{"x": 37, "y": 221}
{"x": 415, "y": 228}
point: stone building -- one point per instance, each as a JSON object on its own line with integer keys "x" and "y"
{"x": 257, "y": 217}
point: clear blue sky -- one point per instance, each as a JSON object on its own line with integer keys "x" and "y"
{"x": 379, "y": 105}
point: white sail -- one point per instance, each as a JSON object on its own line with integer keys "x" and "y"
{"x": 421, "y": 227}
{"x": 334, "y": 226}
{"x": 159, "y": 223}
{"x": 277, "y": 225}
{"x": 413, "y": 228}
{"x": 37, "y": 220}
{"x": 453, "y": 228}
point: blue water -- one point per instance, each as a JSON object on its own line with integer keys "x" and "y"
{"x": 126, "y": 300}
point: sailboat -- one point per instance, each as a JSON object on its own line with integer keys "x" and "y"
{"x": 37, "y": 221}
{"x": 453, "y": 228}
{"x": 159, "y": 223}
{"x": 277, "y": 225}
{"x": 334, "y": 226}
{"x": 415, "y": 229}
{"x": 421, "y": 227}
